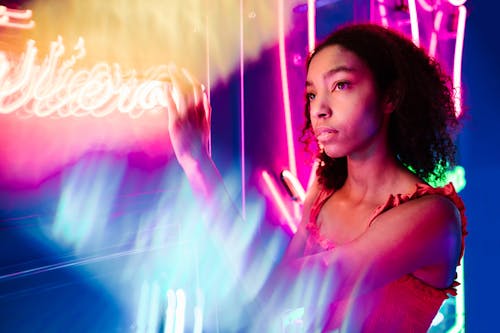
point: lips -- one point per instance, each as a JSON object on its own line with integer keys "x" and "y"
{"x": 324, "y": 133}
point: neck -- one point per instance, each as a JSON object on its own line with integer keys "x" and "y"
{"x": 373, "y": 174}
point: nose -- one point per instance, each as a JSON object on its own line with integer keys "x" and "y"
{"x": 320, "y": 109}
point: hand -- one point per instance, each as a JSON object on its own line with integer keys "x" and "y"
{"x": 188, "y": 116}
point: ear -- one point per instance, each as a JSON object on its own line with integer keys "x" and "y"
{"x": 390, "y": 101}
{"x": 388, "y": 107}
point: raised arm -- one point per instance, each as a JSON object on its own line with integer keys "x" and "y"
{"x": 189, "y": 116}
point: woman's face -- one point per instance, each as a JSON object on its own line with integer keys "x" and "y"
{"x": 346, "y": 115}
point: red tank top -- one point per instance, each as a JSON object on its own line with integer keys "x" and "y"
{"x": 404, "y": 305}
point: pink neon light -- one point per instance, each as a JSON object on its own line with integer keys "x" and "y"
{"x": 425, "y": 6}
{"x": 383, "y": 13}
{"x": 285, "y": 89}
{"x": 457, "y": 63}
{"x": 414, "y": 22}
{"x": 54, "y": 89}
{"x": 457, "y": 3}
{"x": 294, "y": 186}
{"x": 312, "y": 175}
{"x": 311, "y": 24}
{"x": 437, "y": 27}
{"x": 279, "y": 202}
{"x": 6, "y": 14}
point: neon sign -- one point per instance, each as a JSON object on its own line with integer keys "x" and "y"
{"x": 14, "y": 18}
{"x": 55, "y": 89}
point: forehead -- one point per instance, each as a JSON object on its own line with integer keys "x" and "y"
{"x": 336, "y": 56}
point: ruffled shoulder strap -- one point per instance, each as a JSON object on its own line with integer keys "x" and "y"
{"x": 312, "y": 225}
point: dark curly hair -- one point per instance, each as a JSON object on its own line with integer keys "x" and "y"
{"x": 423, "y": 122}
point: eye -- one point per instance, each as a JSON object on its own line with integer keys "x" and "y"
{"x": 310, "y": 96}
{"x": 341, "y": 85}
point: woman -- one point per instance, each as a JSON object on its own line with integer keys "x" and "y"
{"x": 377, "y": 247}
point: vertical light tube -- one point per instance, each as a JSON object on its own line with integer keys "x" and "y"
{"x": 457, "y": 61}
{"x": 311, "y": 24}
{"x": 285, "y": 89}
{"x": 242, "y": 113}
{"x": 425, "y": 6}
{"x": 415, "y": 36}
{"x": 382, "y": 10}
{"x": 279, "y": 202}
{"x": 435, "y": 32}
{"x": 208, "y": 80}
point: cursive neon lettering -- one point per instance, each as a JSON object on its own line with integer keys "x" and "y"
{"x": 54, "y": 89}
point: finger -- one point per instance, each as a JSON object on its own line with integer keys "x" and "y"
{"x": 181, "y": 90}
{"x": 197, "y": 88}
{"x": 172, "y": 110}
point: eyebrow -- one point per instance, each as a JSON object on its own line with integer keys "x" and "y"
{"x": 334, "y": 71}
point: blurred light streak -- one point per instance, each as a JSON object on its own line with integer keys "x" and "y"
{"x": 435, "y": 32}
{"x": 293, "y": 320}
{"x": 242, "y": 111}
{"x": 457, "y": 60}
{"x": 154, "y": 308}
{"x": 198, "y": 312}
{"x": 311, "y": 24}
{"x": 279, "y": 202}
{"x": 170, "y": 312}
{"x": 208, "y": 85}
{"x": 86, "y": 200}
{"x": 180, "y": 310}
{"x": 141, "y": 321}
{"x": 143, "y": 34}
{"x": 80, "y": 262}
{"x": 6, "y": 14}
{"x": 414, "y": 22}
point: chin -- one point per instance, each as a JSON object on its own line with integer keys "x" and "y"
{"x": 334, "y": 153}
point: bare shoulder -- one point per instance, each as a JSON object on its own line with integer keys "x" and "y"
{"x": 434, "y": 209}
{"x": 413, "y": 236}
